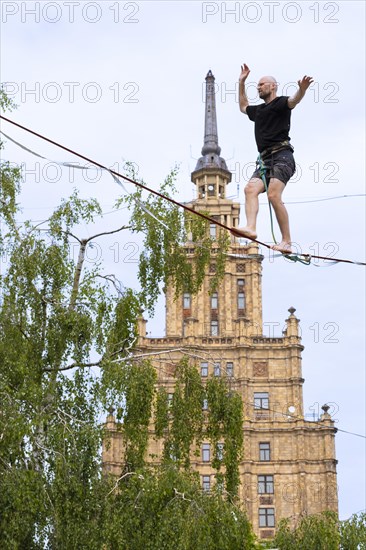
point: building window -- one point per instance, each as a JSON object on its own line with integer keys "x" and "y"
{"x": 170, "y": 399}
{"x": 266, "y": 517}
{"x": 241, "y": 300}
{"x": 212, "y": 268}
{"x": 205, "y": 405}
{"x": 265, "y": 485}
{"x": 206, "y": 483}
{"x": 186, "y": 301}
{"x": 214, "y": 300}
{"x": 217, "y": 369}
{"x": 214, "y": 327}
{"x": 230, "y": 369}
{"x": 261, "y": 400}
{"x": 213, "y": 230}
{"x": 220, "y": 451}
{"x": 264, "y": 451}
{"x": 206, "y": 452}
{"x": 241, "y": 294}
{"x": 204, "y": 369}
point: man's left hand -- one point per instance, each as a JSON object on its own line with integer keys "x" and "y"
{"x": 305, "y": 82}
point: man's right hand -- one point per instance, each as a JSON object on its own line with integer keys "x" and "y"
{"x": 244, "y": 73}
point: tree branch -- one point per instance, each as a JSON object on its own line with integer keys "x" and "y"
{"x": 80, "y": 262}
{"x": 73, "y": 366}
{"x": 108, "y": 232}
{"x": 120, "y": 478}
{"x": 85, "y": 365}
{"x": 112, "y": 279}
{"x": 77, "y": 274}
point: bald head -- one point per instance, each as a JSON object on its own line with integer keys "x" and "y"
{"x": 268, "y": 80}
{"x": 267, "y": 88}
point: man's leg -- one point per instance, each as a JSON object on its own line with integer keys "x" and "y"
{"x": 275, "y": 190}
{"x": 252, "y": 190}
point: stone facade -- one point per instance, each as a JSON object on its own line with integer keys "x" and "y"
{"x": 288, "y": 465}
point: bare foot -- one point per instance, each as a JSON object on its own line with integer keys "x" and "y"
{"x": 244, "y": 232}
{"x": 283, "y": 246}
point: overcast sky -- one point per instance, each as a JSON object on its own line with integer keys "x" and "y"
{"x": 124, "y": 81}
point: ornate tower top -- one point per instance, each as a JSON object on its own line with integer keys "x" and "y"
{"x": 210, "y": 160}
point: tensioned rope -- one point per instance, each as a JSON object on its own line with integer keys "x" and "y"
{"x": 180, "y": 205}
{"x": 318, "y": 423}
{"x": 118, "y": 181}
{"x": 73, "y": 165}
{"x": 327, "y": 198}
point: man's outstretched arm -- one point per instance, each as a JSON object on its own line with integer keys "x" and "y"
{"x": 304, "y": 84}
{"x": 243, "y": 100}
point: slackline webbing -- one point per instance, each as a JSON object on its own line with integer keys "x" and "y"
{"x": 180, "y": 205}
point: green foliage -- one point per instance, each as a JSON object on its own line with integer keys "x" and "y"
{"x": 73, "y": 474}
{"x": 225, "y": 423}
{"x": 118, "y": 338}
{"x": 183, "y": 424}
{"x": 186, "y": 414}
{"x": 6, "y": 103}
{"x": 22, "y": 511}
{"x": 50, "y": 322}
{"x": 9, "y": 185}
{"x": 161, "y": 412}
{"x": 139, "y": 392}
{"x": 122, "y": 335}
{"x": 36, "y": 290}
{"x": 353, "y": 532}
{"x": 322, "y": 532}
{"x": 9, "y": 188}
{"x": 171, "y": 512}
{"x": 65, "y": 357}
{"x": 316, "y": 531}
{"x": 71, "y": 212}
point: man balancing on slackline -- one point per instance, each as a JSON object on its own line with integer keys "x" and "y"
{"x": 271, "y": 127}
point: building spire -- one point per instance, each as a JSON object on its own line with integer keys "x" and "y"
{"x": 211, "y": 139}
{"x": 210, "y": 150}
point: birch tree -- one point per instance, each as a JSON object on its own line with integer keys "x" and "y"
{"x": 66, "y": 333}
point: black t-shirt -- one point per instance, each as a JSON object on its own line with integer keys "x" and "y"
{"x": 271, "y": 122}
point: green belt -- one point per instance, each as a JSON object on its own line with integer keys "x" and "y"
{"x": 278, "y": 147}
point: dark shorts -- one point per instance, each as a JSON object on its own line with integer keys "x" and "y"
{"x": 280, "y": 165}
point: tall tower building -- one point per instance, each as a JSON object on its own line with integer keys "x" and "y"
{"x": 288, "y": 465}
